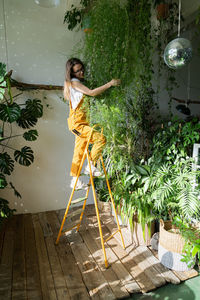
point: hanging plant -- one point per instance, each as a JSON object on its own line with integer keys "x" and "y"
{"x": 75, "y": 16}
{"x": 162, "y": 8}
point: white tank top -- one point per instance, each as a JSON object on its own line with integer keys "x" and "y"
{"x": 75, "y": 95}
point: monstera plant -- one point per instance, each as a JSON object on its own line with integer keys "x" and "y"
{"x": 23, "y": 116}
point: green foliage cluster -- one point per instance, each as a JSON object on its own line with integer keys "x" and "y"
{"x": 191, "y": 235}
{"x": 121, "y": 51}
{"x": 25, "y": 116}
{"x": 174, "y": 140}
{"x": 149, "y": 169}
{"x": 74, "y": 16}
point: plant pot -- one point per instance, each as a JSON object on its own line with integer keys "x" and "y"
{"x": 137, "y": 232}
{"x": 86, "y": 24}
{"x": 138, "y": 235}
{"x": 170, "y": 247}
{"x": 123, "y": 221}
{"x": 104, "y": 206}
{"x": 162, "y": 11}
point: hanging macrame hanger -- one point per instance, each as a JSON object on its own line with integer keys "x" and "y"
{"x": 179, "y": 18}
{"x": 188, "y": 87}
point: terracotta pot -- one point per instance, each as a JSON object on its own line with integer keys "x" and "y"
{"x": 86, "y": 24}
{"x": 162, "y": 11}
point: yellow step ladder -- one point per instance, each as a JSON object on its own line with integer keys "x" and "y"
{"x": 84, "y": 200}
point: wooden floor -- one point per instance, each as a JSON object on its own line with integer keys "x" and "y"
{"x": 33, "y": 267}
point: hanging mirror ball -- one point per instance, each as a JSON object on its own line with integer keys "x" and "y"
{"x": 47, "y": 3}
{"x": 178, "y": 53}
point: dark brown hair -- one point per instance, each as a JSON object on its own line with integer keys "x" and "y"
{"x": 70, "y": 74}
{"x": 69, "y": 68}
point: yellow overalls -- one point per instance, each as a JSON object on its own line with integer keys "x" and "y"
{"x": 79, "y": 126}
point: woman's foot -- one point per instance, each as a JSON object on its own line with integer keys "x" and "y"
{"x": 80, "y": 185}
{"x": 95, "y": 171}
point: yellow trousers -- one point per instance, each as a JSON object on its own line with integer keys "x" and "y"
{"x": 80, "y": 127}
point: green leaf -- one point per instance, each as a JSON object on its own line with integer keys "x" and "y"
{"x": 3, "y": 182}
{"x": 195, "y": 250}
{"x": 6, "y": 163}
{"x": 10, "y": 113}
{"x": 34, "y": 107}
{"x": 141, "y": 170}
{"x": 26, "y": 119}
{"x": 30, "y": 135}
{"x": 5, "y": 211}
{"x": 24, "y": 157}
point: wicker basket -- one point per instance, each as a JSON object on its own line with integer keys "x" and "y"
{"x": 170, "y": 247}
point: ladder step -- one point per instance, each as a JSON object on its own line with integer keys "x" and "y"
{"x": 75, "y": 213}
{"x": 70, "y": 226}
{"x": 78, "y": 200}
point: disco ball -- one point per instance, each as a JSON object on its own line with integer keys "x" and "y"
{"x": 178, "y": 53}
{"x": 47, "y": 3}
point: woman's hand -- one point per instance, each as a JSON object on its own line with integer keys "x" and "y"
{"x": 115, "y": 82}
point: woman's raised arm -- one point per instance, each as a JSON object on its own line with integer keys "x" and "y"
{"x": 97, "y": 91}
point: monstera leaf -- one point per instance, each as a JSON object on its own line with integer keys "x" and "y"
{"x": 10, "y": 113}
{"x": 34, "y": 107}
{"x": 30, "y": 135}
{"x": 25, "y": 156}
{"x": 6, "y": 163}
{"x": 5, "y": 211}
{"x": 26, "y": 119}
{"x": 3, "y": 182}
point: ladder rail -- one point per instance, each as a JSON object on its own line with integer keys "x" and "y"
{"x": 91, "y": 183}
{"x": 73, "y": 190}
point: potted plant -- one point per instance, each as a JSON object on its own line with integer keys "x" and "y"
{"x": 173, "y": 194}
{"x": 162, "y": 8}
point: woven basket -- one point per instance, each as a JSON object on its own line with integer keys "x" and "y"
{"x": 170, "y": 247}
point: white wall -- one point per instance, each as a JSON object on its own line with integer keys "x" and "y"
{"x": 45, "y": 184}
{"x": 38, "y": 45}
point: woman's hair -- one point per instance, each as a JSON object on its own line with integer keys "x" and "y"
{"x": 69, "y": 74}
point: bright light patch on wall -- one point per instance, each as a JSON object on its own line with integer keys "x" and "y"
{"x": 47, "y": 3}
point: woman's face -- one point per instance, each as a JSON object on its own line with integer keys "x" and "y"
{"x": 78, "y": 71}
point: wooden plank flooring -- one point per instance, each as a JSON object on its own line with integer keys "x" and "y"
{"x": 33, "y": 267}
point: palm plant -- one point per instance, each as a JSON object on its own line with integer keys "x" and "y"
{"x": 171, "y": 189}
{"x": 25, "y": 116}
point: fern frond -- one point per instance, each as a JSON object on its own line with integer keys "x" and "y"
{"x": 189, "y": 201}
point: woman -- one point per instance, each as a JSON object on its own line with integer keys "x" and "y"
{"x": 74, "y": 91}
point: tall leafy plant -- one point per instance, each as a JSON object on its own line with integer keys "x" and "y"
{"x": 25, "y": 116}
